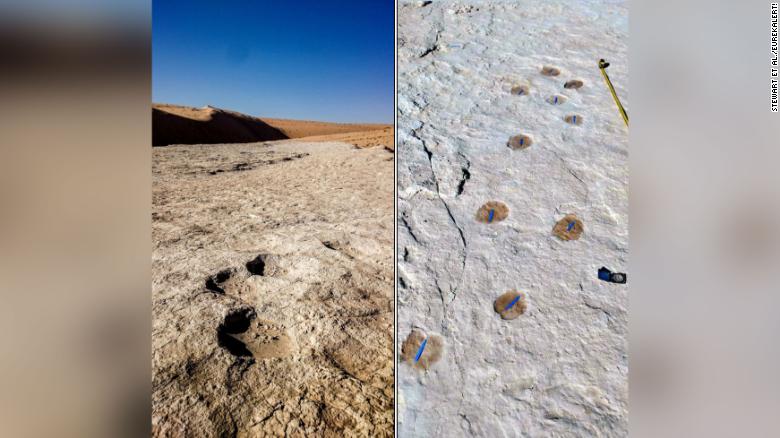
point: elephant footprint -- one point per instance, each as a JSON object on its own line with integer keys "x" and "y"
{"x": 243, "y": 334}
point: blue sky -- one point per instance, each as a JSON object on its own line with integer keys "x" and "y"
{"x": 309, "y": 60}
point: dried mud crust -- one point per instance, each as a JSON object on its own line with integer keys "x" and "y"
{"x": 259, "y": 328}
{"x": 243, "y": 165}
{"x": 359, "y": 360}
{"x": 517, "y": 308}
{"x": 500, "y": 212}
{"x": 434, "y": 346}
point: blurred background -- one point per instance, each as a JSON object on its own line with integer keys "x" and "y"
{"x": 704, "y": 195}
{"x": 75, "y": 184}
{"x": 75, "y": 194}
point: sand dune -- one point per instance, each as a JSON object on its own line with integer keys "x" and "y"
{"x": 361, "y": 139}
{"x": 305, "y": 128}
{"x": 184, "y": 125}
{"x": 176, "y": 124}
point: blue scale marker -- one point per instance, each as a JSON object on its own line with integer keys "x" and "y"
{"x": 509, "y": 306}
{"x": 420, "y": 351}
{"x": 490, "y": 215}
{"x": 571, "y": 225}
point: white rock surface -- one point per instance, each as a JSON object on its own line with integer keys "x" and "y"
{"x": 561, "y": 368}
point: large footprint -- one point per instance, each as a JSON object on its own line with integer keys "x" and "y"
{"x": 243, "y": 334}
{"x": 232, "y": 281}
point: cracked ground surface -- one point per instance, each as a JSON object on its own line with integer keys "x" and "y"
{"x": 560, "y": 369}
{"x": 272, "y": 290}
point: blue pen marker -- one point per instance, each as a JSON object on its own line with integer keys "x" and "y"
{"x": 490, "y": 215}
{"x": 420, "y": 351}
{"x": 574, "y": 119}
{"x": 556, "y": 99}
{"x": 509, "y": 306}
{"x": 522, "y": 140}
{"x": 571, "y": 225}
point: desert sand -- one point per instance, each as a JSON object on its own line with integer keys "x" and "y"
{"x": 273, "y": 289}
{"x": 178, "y": 124}
{"x": 362, "y": 139}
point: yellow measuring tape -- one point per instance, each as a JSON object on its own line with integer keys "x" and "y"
{"x": 603, "y": 67}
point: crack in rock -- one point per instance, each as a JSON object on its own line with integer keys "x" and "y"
{"x": 458, "y": 101}
{"x": 465, "y": 175}
{"x": 572, "y": 173}
{"x": 429, "y": 153}
{"x": 432, "y": 48}
{"x": 408, "y": 227}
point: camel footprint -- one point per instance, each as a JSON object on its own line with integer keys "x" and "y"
{"x": 520, "y": 90}
{"x": 549, "y": 70}
{"x": 556, "y": 99}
